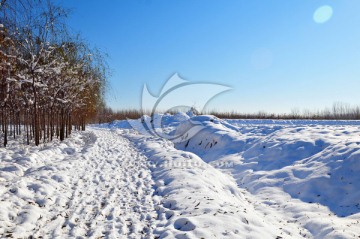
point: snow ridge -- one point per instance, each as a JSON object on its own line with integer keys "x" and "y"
{"x": 197, "y": 201}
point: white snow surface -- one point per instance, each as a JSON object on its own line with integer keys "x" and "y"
{"x": 233, "y": 179}
{"x": 94, "y": 185}
{"x": 308, "y": 171}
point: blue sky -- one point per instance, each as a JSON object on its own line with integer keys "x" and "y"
{"x": 273, "y": 53}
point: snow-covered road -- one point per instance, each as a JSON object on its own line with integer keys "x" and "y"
{"x": 114, "y": 182}
{"x": 95, "y": 185}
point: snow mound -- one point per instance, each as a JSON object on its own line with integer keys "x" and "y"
{"x": 198, "y": 201}
{"x": 317, "y": 164}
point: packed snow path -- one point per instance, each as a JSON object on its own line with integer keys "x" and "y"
{"x": 101, "y": 189}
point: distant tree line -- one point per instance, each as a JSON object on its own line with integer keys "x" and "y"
{"x": 50, "y": 81}
{"x": 339, "y": 111}
{"x": 106, "y": 115}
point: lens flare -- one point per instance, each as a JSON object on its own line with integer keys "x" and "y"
{"x": 323, "y": 14}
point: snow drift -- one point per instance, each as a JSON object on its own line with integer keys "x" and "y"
{"x": 315, "y": 163}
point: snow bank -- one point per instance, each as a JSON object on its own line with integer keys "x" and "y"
{"x": 197, "y": 201}
{"x": 318, "y": 164}
{"x": 30, "y": 181}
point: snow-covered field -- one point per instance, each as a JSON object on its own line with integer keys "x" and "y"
{"x": 232, "y": 179}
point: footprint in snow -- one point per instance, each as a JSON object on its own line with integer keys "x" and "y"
{"x": 184, "y": 224}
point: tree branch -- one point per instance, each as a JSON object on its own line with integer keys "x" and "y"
{"x": 2, "y": 3}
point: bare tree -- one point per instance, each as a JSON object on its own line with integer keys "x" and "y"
{"x": 49, "y": 80}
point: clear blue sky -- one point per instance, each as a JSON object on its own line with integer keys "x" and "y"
{"x": 273, "y": 53}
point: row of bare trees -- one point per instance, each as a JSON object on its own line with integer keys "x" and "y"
{"x": 50, "y": 82}
{"x": 339, "y": 111}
